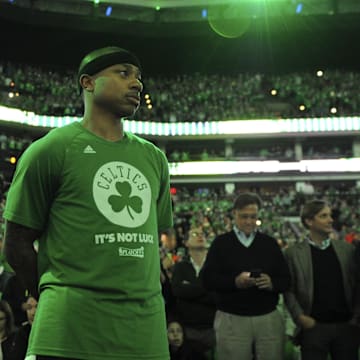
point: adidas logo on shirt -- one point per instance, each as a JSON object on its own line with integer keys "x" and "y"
{"x": 89, "y": 150}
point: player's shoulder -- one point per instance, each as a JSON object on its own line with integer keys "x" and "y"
{"x": 51, "y": 145}
{"x": 146, "y": 144}
{"x": 57, "y": 137}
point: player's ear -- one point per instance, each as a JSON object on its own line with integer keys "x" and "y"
{"x": 86, "y": 82}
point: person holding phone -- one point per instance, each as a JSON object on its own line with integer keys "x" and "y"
{"x": 247, "y": 271}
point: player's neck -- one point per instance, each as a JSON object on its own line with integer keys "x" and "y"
{"x": 108, "y": 129}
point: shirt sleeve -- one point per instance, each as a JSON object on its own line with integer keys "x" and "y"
{"x": 164, "y": 205}
{"x": 34, "y": 185}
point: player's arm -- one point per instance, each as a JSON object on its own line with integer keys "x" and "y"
{"x": 21, "y": 255}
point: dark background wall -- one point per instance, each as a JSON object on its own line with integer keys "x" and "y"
{"x": 276, "y": 44}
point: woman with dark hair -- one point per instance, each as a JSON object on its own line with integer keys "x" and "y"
{"x": 7, "y": 331}
{"x": 180, "y": 348}
{"x": 21, "y": 338}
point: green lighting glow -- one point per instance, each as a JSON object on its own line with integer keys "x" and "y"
{"x": 230, "y": 20}
{"x": 157, "y": 8}
{"x": 96, "y": 2}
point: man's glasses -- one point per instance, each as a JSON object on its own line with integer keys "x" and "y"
{"x": 196, "y": 234}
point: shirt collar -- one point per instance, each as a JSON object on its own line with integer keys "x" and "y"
{"x": 323, "y": 246}
{"x": 196, "y": 267}
{"x": 245, "y": 240}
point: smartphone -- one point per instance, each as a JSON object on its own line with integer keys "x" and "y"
{"x": 255, "y": 273}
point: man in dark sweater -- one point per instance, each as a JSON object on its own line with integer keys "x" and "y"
{"x": 247, "y": 271}
{"x": 322, "y": 299}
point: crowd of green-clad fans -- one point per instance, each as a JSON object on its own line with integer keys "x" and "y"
{"x": 193, "y": 96}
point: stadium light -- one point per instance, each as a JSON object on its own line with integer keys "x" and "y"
{"x": 12, "y": 160}
{"x": 350, "y": 165}
{"x": 199, "y": 128}
{"x": 108, "y": 11}
{"x": 299, "y": 8}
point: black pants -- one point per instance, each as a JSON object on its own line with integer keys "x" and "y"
{"x": 340, "y": 340}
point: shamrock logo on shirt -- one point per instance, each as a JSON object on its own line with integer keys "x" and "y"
{"x": 125, "y": 200}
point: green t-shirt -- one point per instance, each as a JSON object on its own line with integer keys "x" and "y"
{"x": 99, "y": 205}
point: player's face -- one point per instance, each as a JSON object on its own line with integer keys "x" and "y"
{"x": 246, "y": 217}
{"x": 117, "y": 89}
{"x": 322, "y": 222}
{"x": 175, "y": 334}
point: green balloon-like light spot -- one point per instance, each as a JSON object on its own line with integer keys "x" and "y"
{"x": 230, "y": 20}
